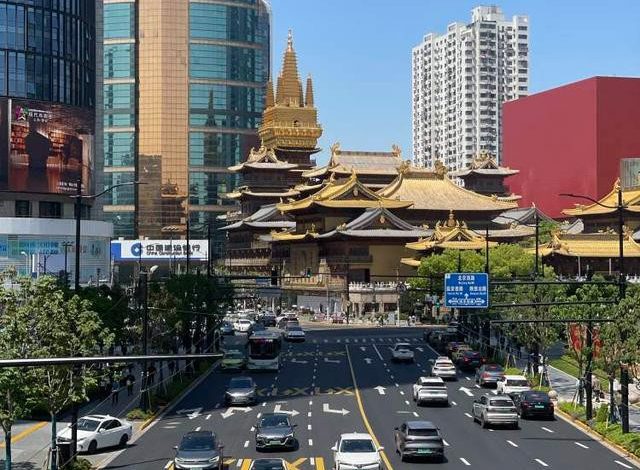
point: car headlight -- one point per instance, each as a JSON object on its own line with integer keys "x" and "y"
{"x": 214, "y": 459}
{"x": 290, "y": 434}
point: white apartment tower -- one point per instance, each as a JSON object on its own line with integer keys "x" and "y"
{"x": 460, "y": 80}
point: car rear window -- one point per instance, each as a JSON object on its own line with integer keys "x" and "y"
{"x": 517, "y": 383}
{"x": 501, "y": 402}
{"x": 267, "y": 464}
{"x": 493, "y": 368}
{"x": 537, "y": 396}
{"x": 423, "y": 432}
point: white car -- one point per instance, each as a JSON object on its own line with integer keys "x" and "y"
{"x": 97, "y": 432}
{"x": 444, "y": 368}
{"x": 402, "y": 352}
{"x": 510, "y": 384}
{"x": 452, "y": 327}
{"x": 242, "y": 325}
{"x": 430, "y": 390}
{"x": 356, "y": 451}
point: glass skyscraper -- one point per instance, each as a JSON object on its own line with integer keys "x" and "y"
{"x": 184, "y": 85}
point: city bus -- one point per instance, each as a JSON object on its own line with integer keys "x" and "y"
{"x": 264, "y": 350}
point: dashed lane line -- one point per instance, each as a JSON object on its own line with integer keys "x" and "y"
{"x": 512, "y": 444}
{"x": 401, "y": 392}
{"x": 239, "y": 463}
{"x": 445, "y": 443}
{"x": 246, "y": 464}
{"x": 454, "y": 403}
{"x": 309, "y": 414}
{"x": 197, "y": 429}
{"x": 378, "y": 353}
{"x": 169, "y": 465}
{"x": 465, "y": 461}
{"x": 622, "y": 464}
{"x": 548, "y": 430}
{"x": 468, "y": 415}
{"x": 308, "y": 427}
{"x": 542, "y": 462}
{"x": 580, "y": 444}
{"x": 407, "y": 402}
{"x": 207, "y": 417}
{"x": 415, "y": 414}
{"x": 310, "y": 442}
{"x": 246, "y": 444}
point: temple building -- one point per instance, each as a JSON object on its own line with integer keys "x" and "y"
{"x": 289, "y": 134}
{"x": 486, "y": 177}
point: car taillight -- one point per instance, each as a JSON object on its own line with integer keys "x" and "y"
{"x": 485, "y": 375}
{"x": 526, "y": 403}
{"x": 466, "y": 359}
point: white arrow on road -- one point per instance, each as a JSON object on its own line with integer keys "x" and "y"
{"x": 331, "y": 361}
{"x": 278, "y": 409}
{"x": 367, "y": 360}
{"x": 326, "y": 409}
{"x": 232, "y": 409}
{"x": 466, "y": 390}
{"x": 363, "y": 348}
{"x": 296, "y": 361}
{"x": 380, "y": 389}
{"x": 192, "y": 413}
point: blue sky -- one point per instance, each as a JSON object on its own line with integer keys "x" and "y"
{"x": 359, "y": 54}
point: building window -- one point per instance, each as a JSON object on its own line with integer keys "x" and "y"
{"x": 50, "y": 210}
{"x": 23, "y": 208}
{"x": 119, "y": 20}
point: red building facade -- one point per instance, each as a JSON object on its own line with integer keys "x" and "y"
{"x": 571, "y": 140}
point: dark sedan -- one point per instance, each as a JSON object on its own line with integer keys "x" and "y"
{"x": 534, "y": 404}
{"x": 198, "y": 449}
{"x": 470, "y": 360}
{"x": 274, "y": 430}
{"x": 419, "y": 439}
{"x": 489, "y": 374}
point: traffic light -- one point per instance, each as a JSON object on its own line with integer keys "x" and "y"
{"x": 308, "y": 272}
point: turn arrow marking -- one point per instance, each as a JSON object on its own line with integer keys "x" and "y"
{"x": 367, "y": 360}
{"x": 466, "y": 390}
{"x": 232, "y": 409}
{"x": 295, "y": 361}
{"x": 326, "y": 409}
{"x": 331, "y": 361}
{"x": 278, "y": 409}
{"x": 380, "y": 389}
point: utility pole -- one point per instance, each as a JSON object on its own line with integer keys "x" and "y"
{"x": 188, "y": 247}
{"x": 78, "y": 222}
{"x": 486, "y": 249}
{"x": 66, "y": 246}
{"x": 624, "y": 369}
{"x": 209, "y": 250}
{"x": 588, "y": 375}
{"x": 143, "y": 281}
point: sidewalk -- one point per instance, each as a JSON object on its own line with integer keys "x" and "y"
{"x": 32, "y": 439}
{"x": 567, "y": 385}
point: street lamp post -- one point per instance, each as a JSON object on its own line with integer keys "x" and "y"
{"x": 26, "y": 262}
{"x": 66, "y": 246}
{"x": 624, "y": 371}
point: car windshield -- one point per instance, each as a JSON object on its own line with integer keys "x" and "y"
{"x": 403, "y": 347}
{"x": 357, "y": 445}
{"x": 195, "y": 443}
{"x": 85, "y": 424}
{"x": 273, "y": 421}
{"x": 240, "y": 383}
{"x": 267, "y": 464}
{"x": 501, "y": 402}
{"x": 537, "y": 396}
{"x": 423, "y": 432}
{"x": 294, "y": 328}
{"x": 517, "y": 383}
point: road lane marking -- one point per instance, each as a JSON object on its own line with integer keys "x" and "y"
{"x": 319, "y": 463}
{"x": 239, "y": 463}
{"x": 252, "y": 429}
{"x": 246, "y": 444}
{"x": 396, "y": 384}
{"x": 454, "y": 403}
{"x": 228, "y": 461}
{"x": 511, "y": 443}
{"x": 622, "y": 464}
{"x": 477, "y": 386}
{"x": 363, "y": 414}
{"x": 401, "y": 392}
{"x": 547, "y": 429}
{"x": 580, "y": 444}
{"x": 407, "y": 402}
{"x": 264, "y": 403}
{"x": 415, "y": 414}
{"x": 258, "y": 416}
{"x": 309, "y": 427}
{"x": 294, "y": 465}
{"x": 207, "y": 417}
{"x": 169, "y": 465}
{"x": 310, "y": 402}
{"x": 197, "y": 429}
{"x": 378, "y": 353}
{"x": 246, "y": 464}
{"x": 309, "y": 414}
{"x": 310, "y": 442}
{"x": 544, "y": 464}
{"x": 445, "y": 443}
{"x": 468, "y": 378}
{"x": 468, "y": 415}
{"x": 217, "y": 405}
{"x": 465, "y": 461}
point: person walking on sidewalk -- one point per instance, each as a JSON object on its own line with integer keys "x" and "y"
{"x": 115, "y": 391}
{"x": 130, "y": 381}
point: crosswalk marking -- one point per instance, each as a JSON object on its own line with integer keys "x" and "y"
{"x": 246, "y": 463}
{"x": 319, "y": 463}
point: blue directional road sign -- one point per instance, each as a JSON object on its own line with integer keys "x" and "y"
{"x": 466, "y": 290}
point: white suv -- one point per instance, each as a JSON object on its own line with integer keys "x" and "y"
{"x": 509, "y": 384}
{"x": 444, "y": 368}
{"x": 356, "y": 451}
{"x": 402, "y": 352}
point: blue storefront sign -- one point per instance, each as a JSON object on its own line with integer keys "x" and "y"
{"x": 466, "y": 290}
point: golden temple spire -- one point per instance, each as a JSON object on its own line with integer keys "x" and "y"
{"x": 269, "y": 98}
{"x": 308, "y": 98}
{"x": 289, "y": 88}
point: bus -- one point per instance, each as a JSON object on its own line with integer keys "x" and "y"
{"x": 264, "y": 350}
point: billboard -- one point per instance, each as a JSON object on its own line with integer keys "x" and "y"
{"x": 140, "y": 250}
{"x": 45, "y": 147}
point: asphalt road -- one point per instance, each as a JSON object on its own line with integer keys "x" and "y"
{"x": 316, "y": 386}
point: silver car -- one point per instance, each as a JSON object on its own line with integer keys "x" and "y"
{"x": 241, "y": 391}
{"x": 198, "y": 450}
{"x": 274, "y": 430}
{"x": 491, "y": 409}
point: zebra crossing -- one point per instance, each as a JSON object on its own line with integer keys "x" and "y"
{"x": 366, "y": 340}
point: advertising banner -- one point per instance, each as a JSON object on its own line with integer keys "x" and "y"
{"x": 578, "y": 338}
{"x": 134, "y": 250}
{"x": 45, "y": 147}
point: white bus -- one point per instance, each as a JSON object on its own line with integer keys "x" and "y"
{"x": 264, "y": 350}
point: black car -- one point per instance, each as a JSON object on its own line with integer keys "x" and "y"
{"x": 419, "y": 439}
{"x": 470, "y": 360}
{"x": 534, "y": 404}
{"x": 429, "y": 334}
{"x": 198, "y": 449}
{"x": 269, "y": 319}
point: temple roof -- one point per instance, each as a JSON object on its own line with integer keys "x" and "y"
{"x": 264, "y": 159}
{"x": 433, "y": 190}
{"x": 344, "y": 194}
{"x": 287, "y": 236}
{"x": 630, "y": 199}
{"x": 244, "y": 191}
{"x": 266, "y": 218}
{"x": 452, "y": 234}
{"x": 303, "y": 187}
{"x": 521, "y": 215}
{"x": 484, "y": 164}
{"x": 344, "y": 162}
{"x": 591, "y": 245}
{"x": 414, "y": 263}
{"x": 378, "y": 222}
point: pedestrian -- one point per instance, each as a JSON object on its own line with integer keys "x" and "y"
{"x": 115, "y": 391}
{"x": 130, "y": 381}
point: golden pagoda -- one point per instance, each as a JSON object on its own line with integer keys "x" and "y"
{"x": 486, "y": 177}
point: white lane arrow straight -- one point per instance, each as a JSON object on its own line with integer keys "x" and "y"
{"x": 233, "y": 409}
{"x": 296, "y": 361}
{"x": 189, "y": 411}
{"x": 466, "y": 390}
{"x": 380, "y": 389}
{"x": 331, "y": 361}
{"x": 326, "y": 409}
{"x": 367, "y": 360}
{"x": 278, "y": 409}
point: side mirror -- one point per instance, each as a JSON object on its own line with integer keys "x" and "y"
{"x": 380, "y": 449}
{"x": 175, "y": 447}
{"x": 335, "y": 448}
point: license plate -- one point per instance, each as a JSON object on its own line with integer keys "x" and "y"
{"x": 539, "y": 407}
{"x": 424, "y": 451}
{"x": 274, "y": 443}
